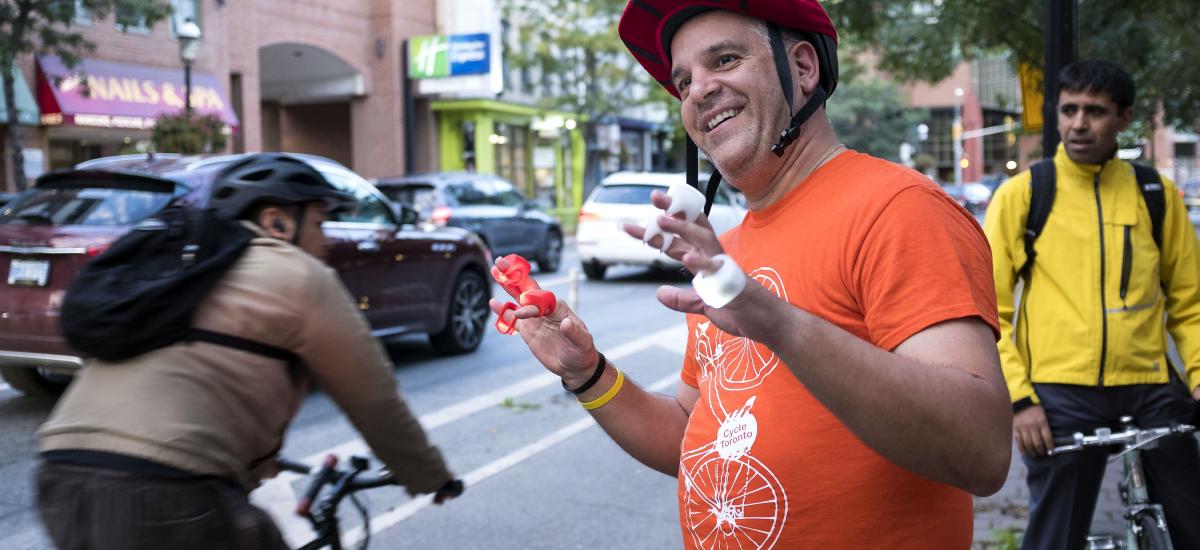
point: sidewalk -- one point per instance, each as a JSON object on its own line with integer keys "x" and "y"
{"x": 1009, "y": 508}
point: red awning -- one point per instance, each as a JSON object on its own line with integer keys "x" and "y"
{"x": 122, "y": 95}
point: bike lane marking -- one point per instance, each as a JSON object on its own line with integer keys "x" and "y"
{"x": 409, "y": 509}
{"x": 279, "y": 500}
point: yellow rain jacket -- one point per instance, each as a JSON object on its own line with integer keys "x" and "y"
{"x": 1093, "y": 310}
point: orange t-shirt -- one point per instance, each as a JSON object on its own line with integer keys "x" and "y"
{"x": 881, "y": 252}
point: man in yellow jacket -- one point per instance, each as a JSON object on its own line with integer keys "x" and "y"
{"x": 1088, "y": 343}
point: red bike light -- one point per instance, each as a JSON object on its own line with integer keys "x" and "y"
{"x": 515, "y": 279}
{"x": 543, "y": 299}
{"x": 509, "y": 325}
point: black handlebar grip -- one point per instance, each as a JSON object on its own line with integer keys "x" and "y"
{"x": 324, "y": 475}
{"x": 452, "y": 489}
{"x": 293, "y": 466}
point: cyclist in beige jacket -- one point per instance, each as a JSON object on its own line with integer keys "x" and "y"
{"x": 160, "y": 451}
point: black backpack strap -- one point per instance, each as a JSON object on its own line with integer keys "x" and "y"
{"x": 244, "y": 344}
{"x": 1041, "y": 201}
{"x": 1156, "y": 201}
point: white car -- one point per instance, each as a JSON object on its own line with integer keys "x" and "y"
{"x": 624, "y": 197}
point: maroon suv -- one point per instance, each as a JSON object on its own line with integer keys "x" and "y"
{"x": 407, "y": 277}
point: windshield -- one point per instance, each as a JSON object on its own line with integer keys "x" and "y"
{"x": 625, "y": 194}
{"x": 421, "y": 198}
{"x": 83, "y": 206}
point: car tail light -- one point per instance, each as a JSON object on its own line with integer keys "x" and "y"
{"x": 441, "y": 215}
{"x": 588, "y": 216}
{"x": 96, "y": 250}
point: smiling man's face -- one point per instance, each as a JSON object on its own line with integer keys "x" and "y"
{"x": 733, "y": 106}
{"x": 1089, "y": 123}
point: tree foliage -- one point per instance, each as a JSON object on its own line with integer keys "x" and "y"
{"x": 188, "y": 134}
{"x": 46, "y": 27}
{"x": 1155, "y": 40}
{"x": 572, "y": 47}
{"x": 869, "y": 114}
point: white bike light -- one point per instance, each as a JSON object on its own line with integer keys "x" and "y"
{"x": 723, "y": 285}
{"x": 685, "y": 199}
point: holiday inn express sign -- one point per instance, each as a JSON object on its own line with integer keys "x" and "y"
{"x": 441, "y": 56}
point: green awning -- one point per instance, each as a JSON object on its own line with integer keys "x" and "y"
{"x": 27, "y": 109}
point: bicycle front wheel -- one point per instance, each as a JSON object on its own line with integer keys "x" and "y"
{"x": 1152, "y": 535}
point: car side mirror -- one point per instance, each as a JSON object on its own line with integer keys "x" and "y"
{"x": 407, "y": 214}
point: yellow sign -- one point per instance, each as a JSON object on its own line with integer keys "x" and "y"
{"x": 1032, "y": 97}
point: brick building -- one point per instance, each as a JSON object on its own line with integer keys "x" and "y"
{"x": 313, "y": 76}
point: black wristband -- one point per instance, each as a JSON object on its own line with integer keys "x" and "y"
{"x": 1022, "y": 404}
{"x": 591, "y": 381}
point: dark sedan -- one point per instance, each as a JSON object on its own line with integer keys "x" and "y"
{"x": 407, "y": 277}
{"x": 486, "y": 204}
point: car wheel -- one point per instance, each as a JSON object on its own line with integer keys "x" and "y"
{"x": 468, "y": 311}
{"x": 35, "y": 382}
{"x": 551, "y": 255}
{"x": 594, "y": 270}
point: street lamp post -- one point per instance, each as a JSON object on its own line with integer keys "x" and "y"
{"x": 189, "y": 43}
{"x": 958, "y": 141}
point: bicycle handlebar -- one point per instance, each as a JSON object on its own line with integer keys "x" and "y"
{"x": 1131, "y": 437}
{"x": 344, "y": 482}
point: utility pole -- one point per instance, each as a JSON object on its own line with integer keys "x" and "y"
{"x": 1060, "y": 52}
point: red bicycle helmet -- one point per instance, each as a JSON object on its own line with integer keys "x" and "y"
{"x": 647, "y": 27}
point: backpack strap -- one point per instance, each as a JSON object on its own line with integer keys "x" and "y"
{"x": 245, "y": 344}
{"x": 1041, "y": 201}
{"x": 1150, "y": 184}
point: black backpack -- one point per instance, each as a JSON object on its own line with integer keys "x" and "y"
{"x": 1042, "y": 200}
{"x": 141, "y": 294}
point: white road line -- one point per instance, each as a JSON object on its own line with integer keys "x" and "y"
{"x": 410, "y": 508}
{"x": 491, "y": 399}
{"x": 273, "y": 494}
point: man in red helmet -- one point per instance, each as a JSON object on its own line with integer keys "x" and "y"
{"x": 849, "y": 395}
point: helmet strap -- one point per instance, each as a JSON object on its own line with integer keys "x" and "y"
{"x": 693, "y": 175}
{"x": 782, "y": 66}
{"x": 788, "y": 135}
{"x": 784, "y": 69}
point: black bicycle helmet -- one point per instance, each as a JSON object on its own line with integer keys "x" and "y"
{"x": 270, "y": 178}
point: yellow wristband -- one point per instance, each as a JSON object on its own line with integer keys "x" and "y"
{"x": 608, "y": 395}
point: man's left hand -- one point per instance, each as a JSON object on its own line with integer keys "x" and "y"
{"x": 1196, "y": 393}
{"x": 696, "y": 246}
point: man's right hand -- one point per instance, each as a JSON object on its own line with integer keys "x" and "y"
{"x": 451, "y": 490}
{"x": 1032, "y": 432}
{"x": 559, "y": 340}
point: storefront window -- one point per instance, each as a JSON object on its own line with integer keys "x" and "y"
{"x": 632, "y": 149}
{"x": 511, "y": 148}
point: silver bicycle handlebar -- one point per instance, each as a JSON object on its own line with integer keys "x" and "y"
{"x": 1131, "y": 437}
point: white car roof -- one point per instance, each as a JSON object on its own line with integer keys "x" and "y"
{"x": 644, "y": 178}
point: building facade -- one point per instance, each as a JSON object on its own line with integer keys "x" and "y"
{"x": 311, "y": 76}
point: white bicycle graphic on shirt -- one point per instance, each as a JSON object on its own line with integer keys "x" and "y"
{"x": 731, "y": 499}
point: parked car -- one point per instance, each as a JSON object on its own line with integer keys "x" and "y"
{"x": 5, "y": 198}
{"x": 406, "y": 277}
{"x": 624, "y": 197}
{"x": 975, "y": 197}
{"x": 486, "y": 204}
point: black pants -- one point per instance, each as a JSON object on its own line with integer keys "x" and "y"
{"x": 91, "y": 508}
{"x": 1063, "y": 489}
